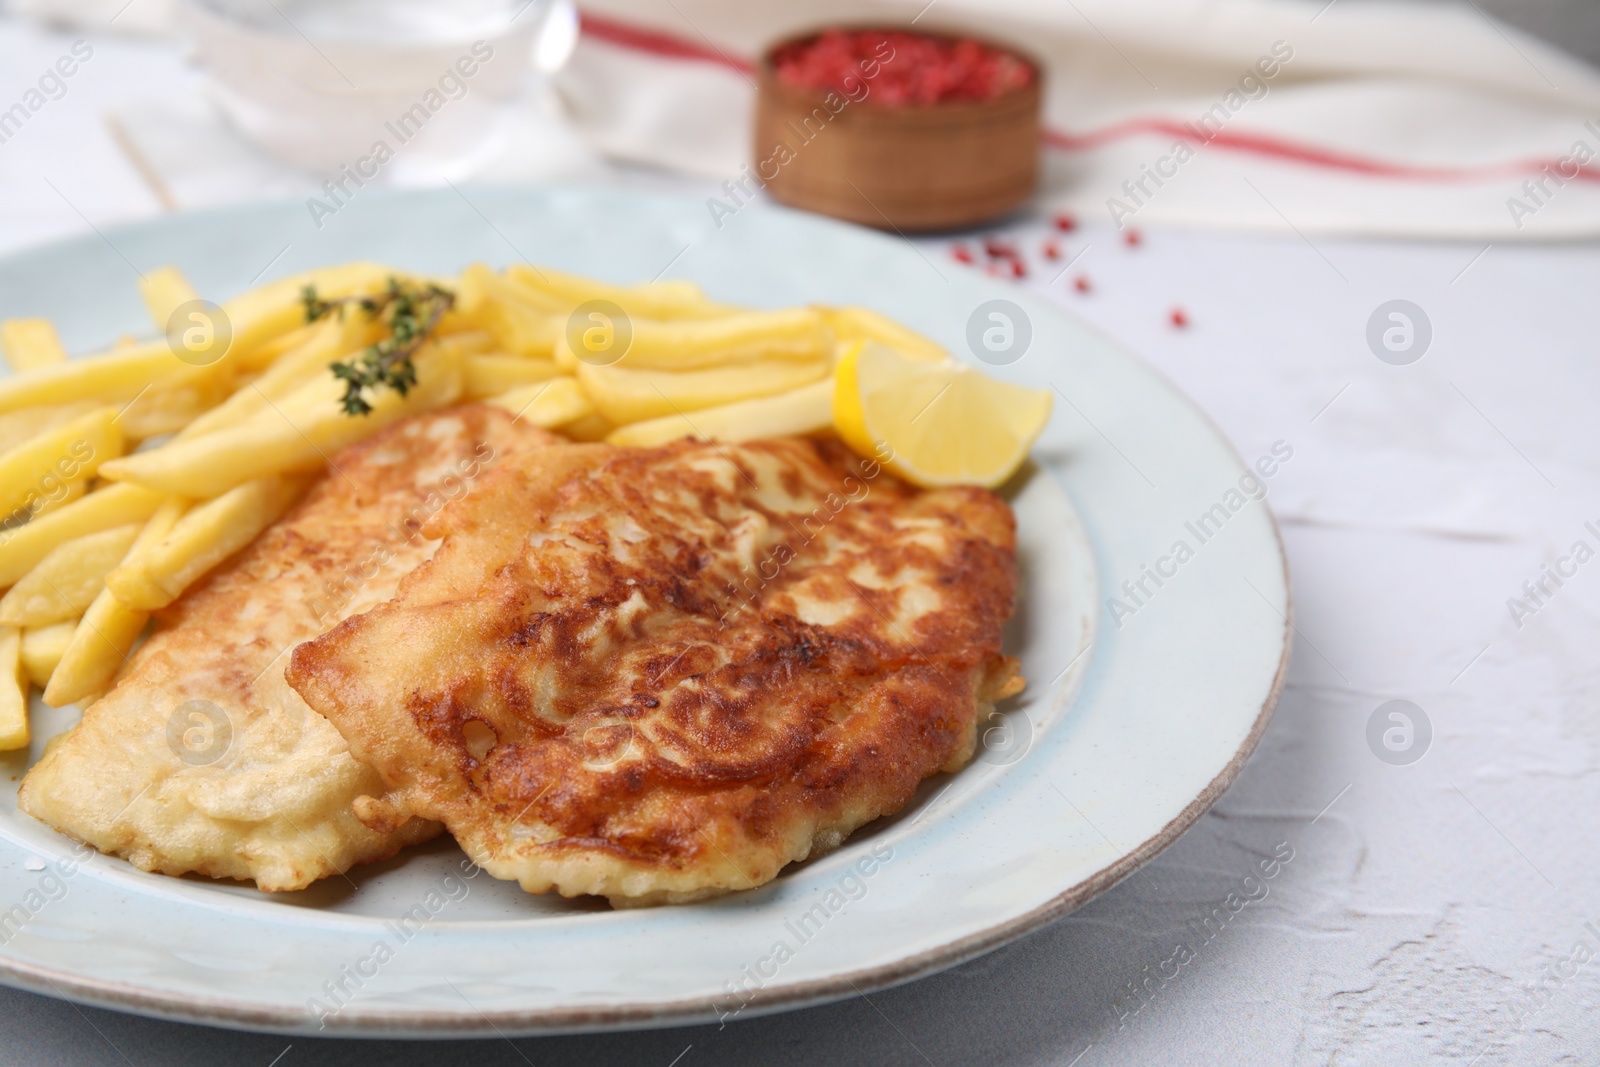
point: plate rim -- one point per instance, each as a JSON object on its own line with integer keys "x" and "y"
{"x": 355, "y": 1021}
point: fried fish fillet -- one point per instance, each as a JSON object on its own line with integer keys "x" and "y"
{"x": 661, "y": 674}
{"x": 201, "y": 758}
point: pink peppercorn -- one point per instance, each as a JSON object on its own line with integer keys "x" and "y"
{"x": 901, "y": 68}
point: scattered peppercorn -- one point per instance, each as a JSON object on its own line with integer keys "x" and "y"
{"x": 998, "y": 249}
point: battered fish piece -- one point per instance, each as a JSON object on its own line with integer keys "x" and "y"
{"x": 658, "y": 675}
{"x": 201, "y": 758}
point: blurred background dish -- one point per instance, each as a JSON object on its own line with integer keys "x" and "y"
{"x": 897, "y": 129}
{"x": 435, "y": 76}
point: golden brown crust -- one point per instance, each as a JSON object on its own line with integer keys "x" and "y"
{"x": 274, "y": 805}
{"x": 656, "y": 674}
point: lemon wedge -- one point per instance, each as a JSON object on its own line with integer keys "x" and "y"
{"x": 941, "y": 423}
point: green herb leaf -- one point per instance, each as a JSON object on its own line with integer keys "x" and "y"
{"x": 410, "y": 312}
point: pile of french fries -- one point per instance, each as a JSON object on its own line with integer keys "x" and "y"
{"x": 129, "y": 474}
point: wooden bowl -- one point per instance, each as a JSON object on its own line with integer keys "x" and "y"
{"x": 896, "y": 167}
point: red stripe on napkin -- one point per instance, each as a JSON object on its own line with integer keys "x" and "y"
{"x": 624, "y": 35}
{"x": 1258, "y": 144}
{"x": 655, "y": 42}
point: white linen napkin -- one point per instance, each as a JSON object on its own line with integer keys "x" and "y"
{"x": 1306, "y": 116}
{"x": 1392, "y": 118}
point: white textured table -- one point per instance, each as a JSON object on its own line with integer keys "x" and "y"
{"x": 1444, "y": 910}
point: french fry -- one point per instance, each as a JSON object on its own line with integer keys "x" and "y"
{"x": 170, "y": 407}
{"x": 465, "y": 342}
{"x": 474, "y": 304}
{"x": 297, "y": 434}
{"x": 267, "y": 353}
{"x": 479, "y": 284}
{"x": 67, "y": 580}
{"x": 113, "y": 377}
{"x": 22, "y": 548}
{"x": 522, "y": 322}
{"x": 267, "y": 312}
{"x": 746, "y": 337}
{"x": 808, "y": 409}
{"x": 652, "y": 300}
{"x": 547, "y": 405}
{"x": 32, "y": 473}
{"x": 52, "y": 496}
{"x": 164, "y": 290}
{"x": 14, "y": 732}
{"x": 864, "y": 324}
{"x": 18, "y": 426}
{"x": 490, "y": 375}
{"x": 30, "y": 343}
{"x": 104, "y": 637}
{"x": 328, "y": 341}
{"x": 204, "y": 537}
{"x": 623, "y": 395}
{"x": 42, "y": 649}
{"x": 169, "y": 410}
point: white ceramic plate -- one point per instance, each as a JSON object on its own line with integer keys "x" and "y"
{"x": 1071, "y": 794}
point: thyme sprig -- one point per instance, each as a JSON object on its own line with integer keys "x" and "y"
{"x": 409, "y": 311}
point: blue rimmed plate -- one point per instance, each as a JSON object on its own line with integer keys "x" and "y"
{"x": 1152, "y": 672}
